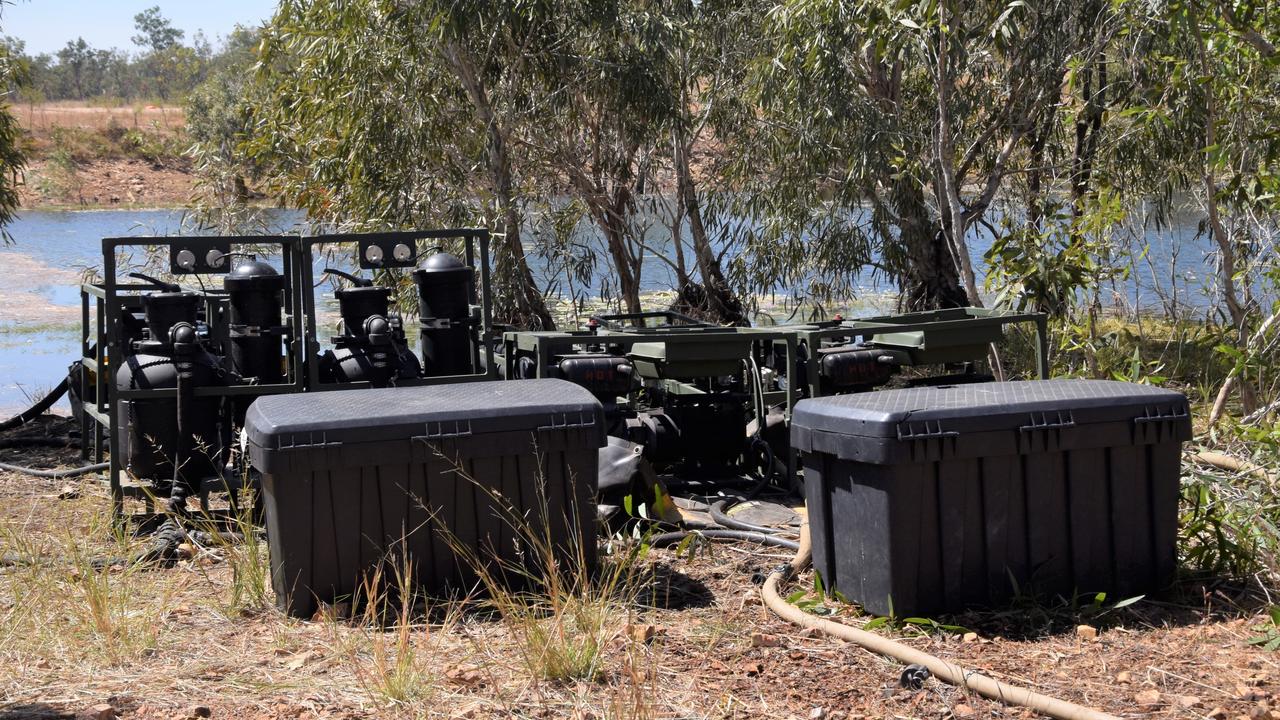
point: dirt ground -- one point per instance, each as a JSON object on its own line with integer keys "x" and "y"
{"x": 79, "y": 639}
{"x": 107, "y": 183}
{"x": 91, "y": 156}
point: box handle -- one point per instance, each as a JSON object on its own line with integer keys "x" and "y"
{"x": 1059, "y": 422}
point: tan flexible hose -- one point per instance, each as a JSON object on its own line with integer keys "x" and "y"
{"x": 943, "y": 670}
{"x": 1231, "y": 464}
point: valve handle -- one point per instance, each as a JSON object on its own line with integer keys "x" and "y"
{"x": 357, "y": 281}
{"x": 160, "y": 284}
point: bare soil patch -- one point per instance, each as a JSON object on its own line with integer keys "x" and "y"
{"x": 98, "y": 156}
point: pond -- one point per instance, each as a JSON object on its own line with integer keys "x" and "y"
{"x": 41, "y": 271}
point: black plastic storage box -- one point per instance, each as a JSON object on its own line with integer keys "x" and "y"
{"x": 932, "y": 499}
{"x": 355, "y": 478}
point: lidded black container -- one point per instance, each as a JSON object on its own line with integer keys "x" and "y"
{"x": 255, "y": 294}
{"x": 445, "y": 287}
{"x": 152, "y": 423}
{"x": 353, "y": 479}
{"x": 932, "y": 499}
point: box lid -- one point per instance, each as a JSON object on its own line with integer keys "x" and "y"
{"x": 883, "y": 418}
{"x": 344, "y": 417}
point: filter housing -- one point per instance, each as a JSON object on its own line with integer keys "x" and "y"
{"x": 355, "y": 479}
{"x": 933, "y": 499}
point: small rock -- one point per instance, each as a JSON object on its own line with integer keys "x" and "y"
{"x": 69, "y": 492}
{"x": 817, "y": 713}
{"x": 1217, "y": 713}
{"x": 1147, "y": 697}
{"x": 101, "y": 711}
{"x": 764, "y": 640}
{"x": 43, "y": 664}
{"x": 1124, "y": 678}
{"x": 641, "y": 634}
{"x": 466, "y": 675}
{"x": 1188, "y": 701}
{"x": 963, "y": 711}
{"x": 751, "y": 668}
{"x": 199, "y": 711}
{"x": 1250, "y": 694}
{"x": 1088, "y": 633}
{"x": 970, "y": 637}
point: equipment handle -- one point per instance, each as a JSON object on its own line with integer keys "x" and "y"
{"x": 357, "y": 281}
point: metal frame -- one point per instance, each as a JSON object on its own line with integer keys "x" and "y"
{"x": 111, "y": 298}
{"x": 477, "y": 248}
{"x": 967, "y": 318}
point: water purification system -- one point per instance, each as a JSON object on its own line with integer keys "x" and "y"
{"x": 455, "y": 331}
{"x": 170, "y": 366}
{"x": 372, "y": 347}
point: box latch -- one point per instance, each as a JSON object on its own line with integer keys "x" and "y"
{"x": 569, "y": 421}
{"x": 296, "y": 443}
{"x": 920, "y": 435}
{"x": 1043, "y": 431}
{"x": 444, "y": 430}
{"x": 1158, "y": 424}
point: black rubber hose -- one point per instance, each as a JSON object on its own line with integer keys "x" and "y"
{"x": 760, "y": 538}
{"x": 55, "y": 474}
{"x": 39, "y": 408}
{"x": 722, "y": 518}
{"x": 54, "y": 442}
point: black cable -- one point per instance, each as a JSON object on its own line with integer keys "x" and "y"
{"x": 55, "y": 474}
{"x": 760, "y": 538}
{"x": 718, "y": 514}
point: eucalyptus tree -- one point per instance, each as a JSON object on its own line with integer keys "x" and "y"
{"x": 1203, "y": 123}
{"x": 606, "y": 98}
{"x": 387, "y": 113}
{"x": 913, "y": 111}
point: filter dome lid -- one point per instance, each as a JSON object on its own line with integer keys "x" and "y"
{"x": 441, "y": 265}
{"x": 254, "y": 272}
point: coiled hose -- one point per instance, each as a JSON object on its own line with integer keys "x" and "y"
{"x": 945, "y": 671}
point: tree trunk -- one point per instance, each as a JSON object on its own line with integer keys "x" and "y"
{"x": 720, "y": 302}
{"x": 931, "y": 280}
{"x": 518, "y": 301}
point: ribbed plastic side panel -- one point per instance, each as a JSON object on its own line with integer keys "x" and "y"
{"x": 469, "y": 502}
{"x": 940, "y": 536}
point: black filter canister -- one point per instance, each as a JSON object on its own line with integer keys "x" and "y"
{"x": 256, "y": 294}
{"x": 444, "y": 305}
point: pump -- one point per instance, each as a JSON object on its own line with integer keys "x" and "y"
{"x": 175, "y": 437}
{"x": 445, "y": 289}
{"x": 372, "y": 347}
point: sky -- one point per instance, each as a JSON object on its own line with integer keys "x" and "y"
{"x": 47, "y": 25}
